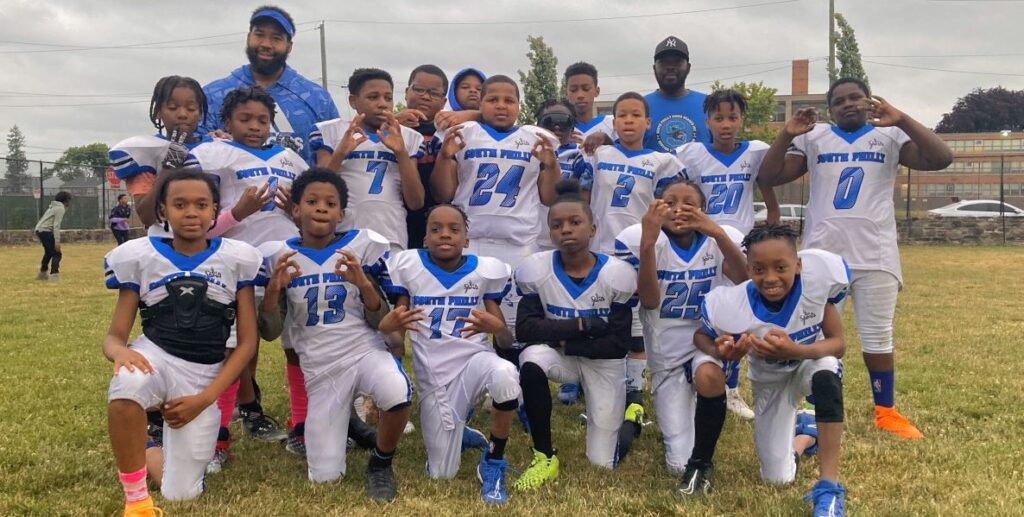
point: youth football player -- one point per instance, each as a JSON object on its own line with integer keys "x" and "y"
{"x": 582, "y": 90}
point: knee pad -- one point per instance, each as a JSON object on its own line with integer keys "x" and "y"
{"x": 508, "y": 405}
{"x": 828, "y": 396}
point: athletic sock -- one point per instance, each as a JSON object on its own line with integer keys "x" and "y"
{"x": 635, "y": 374}
{"x": 496, "y": 449}
{"x": 380, "y": 459}
{"x": 883, "y": 387}
{"x": 134, "y": 484}
{"x": 297, "y": 399}
{"x": 537, "y": 402}
{"x": 708, "y": 420}
{"x": 226, "y": 403}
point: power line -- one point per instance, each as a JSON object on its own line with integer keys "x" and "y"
{"x": 573, "y": 20}
{"x": 11, "y": 94}
{"x": 971, "y": 72}
{"x": 950, "y": 55}
{"x": 70, "y": 105}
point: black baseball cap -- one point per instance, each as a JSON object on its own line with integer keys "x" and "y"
{"x": 671, "y": 44}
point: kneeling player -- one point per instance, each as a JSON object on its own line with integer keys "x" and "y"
{"x": 786, "y": 318}
{"x": 188, "y": 291}
{"x": 576, "y": 316}
{"x": 320, "y": 295}
{"x": 682, "y": 254}
{"x": 456, "y": 302}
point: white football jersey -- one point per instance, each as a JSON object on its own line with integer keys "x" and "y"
{"x": 622, "y": 186}
{"x": 572, "y": 163}
{"x": 497, "y": 178}
{"x": 439, "y": 352}
{"x": 739, "y": 309}
{"x": 727, "y": 180}
{"x": 375, "y": 199}
{"x": 850, "y": 208}
{"x": 684, "y": 277}
{"x": 599, "y": 124}
{"x": 611, "y": 281}
{"x": 324, "y": 318}
{"x": 237, "y": 167}
{"x": 143, "y": 155}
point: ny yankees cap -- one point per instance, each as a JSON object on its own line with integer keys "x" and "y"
{"x": 671, "y": 44}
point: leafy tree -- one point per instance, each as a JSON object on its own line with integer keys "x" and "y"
{"x": 980, "y": 111}
{"x": 16, "y": 161}
{"x": 760, "y": 109}
{"x": 81, "y": 161}
{"x": 541, "y": 83}
{"x": 847, "y": 52}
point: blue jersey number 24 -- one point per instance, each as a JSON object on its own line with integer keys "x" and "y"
{"x": 489, "y": 180}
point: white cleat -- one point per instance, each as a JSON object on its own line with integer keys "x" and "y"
{"x": 734, "y": 402}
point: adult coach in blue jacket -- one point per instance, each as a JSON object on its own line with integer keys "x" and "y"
{"x": 303, "y": 102}
{"x": 677, "y": 114}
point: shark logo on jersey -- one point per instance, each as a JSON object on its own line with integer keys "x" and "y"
{"x": 469, "y": 286}
{"x": 807, "y": 315}
{"x": 520, "y": 142}
{"x": 647, "y": 163}
{"x": 874, "y": 142}
{"x": 191, "y": 291}
{"x": 595, "y": 299}
{"x": 675, "y": 130}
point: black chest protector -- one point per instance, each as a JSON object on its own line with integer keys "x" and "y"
{"x": 187, "y": 324}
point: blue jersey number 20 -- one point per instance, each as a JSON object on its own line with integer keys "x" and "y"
{"x": 489, "y": 180}
{"x": 849, "y": 188}
{"x": 683, "y": 301}
{"x": 725, "y": 199}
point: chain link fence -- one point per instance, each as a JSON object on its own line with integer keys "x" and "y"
{"x": 28, "y": 186}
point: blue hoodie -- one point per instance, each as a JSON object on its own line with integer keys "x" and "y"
{"x": 453, "y": 85}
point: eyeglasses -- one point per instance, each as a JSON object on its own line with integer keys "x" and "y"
{"x": 434, "y": 94}
{"x": 563, "y": 121}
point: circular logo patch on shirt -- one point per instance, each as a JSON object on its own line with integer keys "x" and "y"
{"x": 675, "y": 130}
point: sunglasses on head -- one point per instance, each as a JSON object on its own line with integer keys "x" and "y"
{"x": 562, "y": 121}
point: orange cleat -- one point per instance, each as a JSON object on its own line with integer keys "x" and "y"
{"x": 888, "y": 419}
{"x": 143, "y": 508}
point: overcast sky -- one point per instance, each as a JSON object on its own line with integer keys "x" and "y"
{"x": 50, "y": 62}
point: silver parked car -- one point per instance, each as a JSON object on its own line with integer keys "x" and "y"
{"x": 977, "y": 208}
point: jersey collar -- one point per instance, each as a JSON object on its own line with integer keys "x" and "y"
{"x": 498, "y": 134}
{"x": 630, "y": 154}
{"x": 782, "y": 317}
{"x": 695, "y": 245}
{"x": 574, "y": 289}
{"x": 444, "y": 277}
{"x": 322, "y": 255}
{"x": 263, "y": 153}
{"x": 589, "y": 125}
{"x": 853, "y": 136}
{"x": 182, "y": 262}
{"x": 727, "y": 159}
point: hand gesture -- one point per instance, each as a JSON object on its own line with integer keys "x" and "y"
{"x": 729, "y": 349}
{"x": 695, "y": 219}
{"x": 176, "y": 150}
{"x": 657, "y": 213}
{"x": 596, "y": 140}
{"x": 289, "y": 141}
{"x": 411, "y": 117}
{"x": 400, "y": 319}
{"x": 220, "y": 134}
{"x": 446, "y": 119}
{"x": 801, "y": 122}
{"x": 480, "y": 322}
{"x": 881, "y": 113}
{"x": 453, "y": 143}
{"x": 349, "y": 268}
{"x": 353, "y": 136}
{"x": 181, "y": 411}
{"x": 131, "y": 360}
{"x": 543, "y": 151}
{"x": 285, "y": 270}
{"x": 251, "y": 201}
{"x": 283, "y": 199}
{"x": 776, "y": 345}
{"x": 577, "y": 138}
{"x": 390, "y": 134}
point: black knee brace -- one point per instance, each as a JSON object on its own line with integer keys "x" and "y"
{"x": 508, "y": 405}
{"x": 828, "y": 396}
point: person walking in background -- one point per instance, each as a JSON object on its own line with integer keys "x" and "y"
{"x": 119, "y": 216}
{"x": 48, "y": 231}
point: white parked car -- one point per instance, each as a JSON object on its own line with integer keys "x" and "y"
{"x": 977, "y": 208}
{"x": 786, "y": 213}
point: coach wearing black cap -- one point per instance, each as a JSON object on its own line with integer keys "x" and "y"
{"x": 302, "y": 102}
{"x": 677, "y": 114}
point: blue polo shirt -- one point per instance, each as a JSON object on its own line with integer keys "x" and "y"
{"x": 302, "y": 101}
{"x": 676, "y": 121}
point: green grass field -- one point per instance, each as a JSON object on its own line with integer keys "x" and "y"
{"x": 958, "y": 379}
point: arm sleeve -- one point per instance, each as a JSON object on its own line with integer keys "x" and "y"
{"x": 373, "y": 317}
{"x": 533, "y": 327}
{"x": 271, "y": 324}
{"x": 613, "y": 345}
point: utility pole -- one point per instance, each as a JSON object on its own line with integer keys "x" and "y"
{"x": 831, "y": 39}
{"x": 323, "y": 55}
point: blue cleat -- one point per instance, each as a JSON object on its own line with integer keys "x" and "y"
{"x": 491, "y": 474}
{"x": 828, "y": 499}
{"x": 569, "y": 393}
{"x": 805, "y": 424}
{"x": 473, "y": 439}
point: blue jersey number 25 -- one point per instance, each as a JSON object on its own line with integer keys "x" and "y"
{"x": 683, "y": 301}
{"x": 489, "y": 180}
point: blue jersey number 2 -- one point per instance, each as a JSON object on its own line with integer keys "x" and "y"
{"x": 683, "y": 301}
{"x": 489, "y": 180}
{"x": 624, "y": 187}
{"x": 849, "y": 188}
